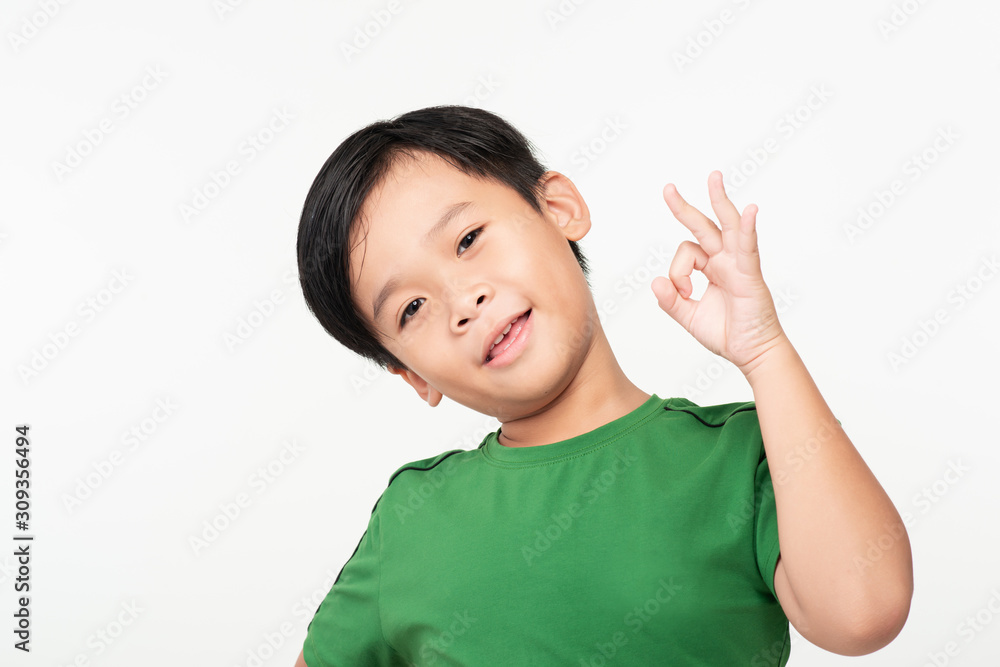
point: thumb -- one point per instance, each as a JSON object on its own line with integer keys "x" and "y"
{"x": 677, "y": 307}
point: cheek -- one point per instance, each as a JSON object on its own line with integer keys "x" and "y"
{"x": 554, "y": 268}
{"x": 525, "y": 256}
{"x": 411, "y": 337}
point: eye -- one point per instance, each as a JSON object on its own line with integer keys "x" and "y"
{"x": 474, "y": 234}
{"x": 407, "y": 313}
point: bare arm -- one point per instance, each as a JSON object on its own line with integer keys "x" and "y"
{"x": 831, "y": 510}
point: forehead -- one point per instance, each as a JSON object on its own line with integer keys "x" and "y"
{"x": 411, "y": 187}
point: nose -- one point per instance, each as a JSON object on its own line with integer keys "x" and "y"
{"x": 467, "y": 304}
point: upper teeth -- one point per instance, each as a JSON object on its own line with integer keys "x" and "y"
{"x": 503, "y": 333}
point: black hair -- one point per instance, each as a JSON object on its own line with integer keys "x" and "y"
{"x": 478, "y": 143}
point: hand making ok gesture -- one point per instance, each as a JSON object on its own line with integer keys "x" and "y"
{"x": 736, "y": 317}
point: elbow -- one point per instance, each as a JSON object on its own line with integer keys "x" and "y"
{"x": 883, "y": 607}
{"x": 878, "y": 630}
{"x": 859, "y": 623}
{"x": 879, "y": 623}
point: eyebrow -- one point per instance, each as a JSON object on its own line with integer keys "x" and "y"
{"x": 447, "y": 216}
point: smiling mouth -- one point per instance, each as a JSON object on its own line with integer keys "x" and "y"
{"x": 514, "y": 330}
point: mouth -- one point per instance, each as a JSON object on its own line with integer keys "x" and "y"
{"x": 508, "y": 341}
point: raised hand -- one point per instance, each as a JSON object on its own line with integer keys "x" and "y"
{"x": 736, "y": 317}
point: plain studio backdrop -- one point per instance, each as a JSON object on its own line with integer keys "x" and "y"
{"x": 204, "y": 457}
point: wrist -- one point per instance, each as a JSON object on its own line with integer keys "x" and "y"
{"x": 778, "y": 354}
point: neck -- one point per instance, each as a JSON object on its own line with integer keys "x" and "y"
{"x": 599, "y": 393}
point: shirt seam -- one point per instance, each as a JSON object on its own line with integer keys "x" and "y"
{"x": 378, "y": 592}
{"x": 746, "y": 408}
{"x": 770, "y": 568}
{"x": 597, "y": 446}
{"x": 435, "y": 462}
{"x": 312, "y": 649}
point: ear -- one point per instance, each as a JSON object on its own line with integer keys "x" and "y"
{"x": 426, "y": 392}
{"x": 565, "y": 205}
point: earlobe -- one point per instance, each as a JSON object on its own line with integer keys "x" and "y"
{"x": 432, "y": 396}
{"x": 424, "y": 390}
{"x": 565, "y": 203}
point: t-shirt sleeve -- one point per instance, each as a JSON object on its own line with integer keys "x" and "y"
{"x": 765, "y": 516}
{"x": 346, "y": 629}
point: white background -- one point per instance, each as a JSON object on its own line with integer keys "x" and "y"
{"x": 603, "y": 75}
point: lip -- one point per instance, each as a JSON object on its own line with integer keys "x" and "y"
{"x": 510, "y": 352}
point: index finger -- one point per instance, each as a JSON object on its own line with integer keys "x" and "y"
{"x": 708, "y": 235}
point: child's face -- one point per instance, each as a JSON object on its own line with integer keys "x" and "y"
{"x": 494, "y": 261}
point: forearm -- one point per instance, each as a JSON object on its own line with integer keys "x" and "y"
{"x": 843, "y": 545}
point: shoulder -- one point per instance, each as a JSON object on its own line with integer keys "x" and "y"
{"x": 426, "y": 467}
{"x": 713, "y": 416}
{"x": 724, "y": 429}
{"x": 423, "y": 475}
{"x": 425, "y": 482}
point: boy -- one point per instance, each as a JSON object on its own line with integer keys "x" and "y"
{"x": 599, "y": 524}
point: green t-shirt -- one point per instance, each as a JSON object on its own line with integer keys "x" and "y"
{"x": 651, "y": 540}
